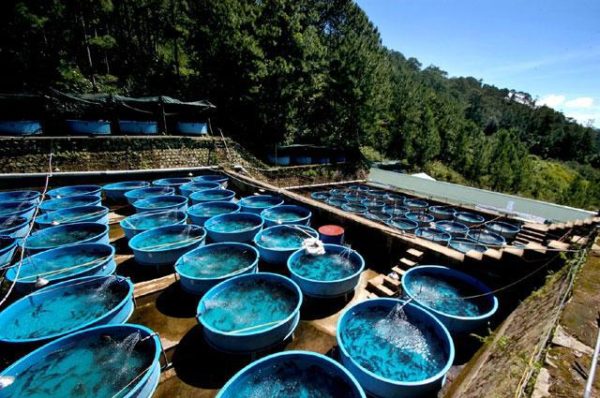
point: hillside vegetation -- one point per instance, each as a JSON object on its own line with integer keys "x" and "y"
{"x": 307, "y": 71}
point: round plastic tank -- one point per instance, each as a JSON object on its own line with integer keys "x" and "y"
{"x": 14, "y": 226}
{"x": 331, "y": 234}
{"x": 20, "y": 196}
{"x": 395, "y": 211}
{"x": 296, "y": 374}
{"x": 354, "y": 208}
{"x": 102, "y": 361}
{"x": 75, "y": 190}
{"x": 140, "y": 222}
{"x": 486, "y": 238}
{"x": 206, "y": 266}
{"x": 203, "y": 211}
{"x": 88, "y": 127}
{"x": 277, "y": 243}
{"x": 422, "y": 219}
{"x": 61, "y": 235}
{"x": 191, "y": 187}
{"x": 354, "y": 198}
{"x": 466, "y": 245}
{"x": 258, "y": 203}
{"x": 320, "y": 195}
{"x": 506, "y": 230}
{"x": 433, "y": 235}
{"x": 97, "y": 214}
{"x": 64, "y": 263}
{"x": 394, "y": 348}
{"x": 192, "y": 128}
{"x": 416, "y": 204}
{"x": 403, "y": 224}
{"x": 234, "y": 227}
{"x": 378, "y": 215}
{"x": 332, "y": 274}
{"x": 372, "y": 204}
{"x": 454, "y": 228}
{"x": 138, "y": 127}
{"x": 116, "y": 191}
{"x": 442, "y": 212}
{"x": 171, "y": 182}
{"x": 17, "y": 209}
{"x": 450, "y": 296}
{"x": 20, "y": 127}
{"x": 8, "y": 246}
{"x": 144, "y": 193}
{"x": 286, "y": 214}
{"x": 67, "y": 203}
{"x": 161, "y": 203}
{"x": 164, "y": 245}
{"x": 220, "y": 179}
{"x": 212, "y": 195}
{"x": 336, "y": 202}
{"x": 377, "y": 194}
{"x": 394, "y": 198}
{"x": 250, "y": 312}
{"x": 67, "y": 307}
{"x": 468, "y": 218}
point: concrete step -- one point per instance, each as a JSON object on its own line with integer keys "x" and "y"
{"x": 376, "y": 285}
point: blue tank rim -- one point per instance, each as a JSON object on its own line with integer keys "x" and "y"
{"x": 465, "y": 240}
{"x": 238, "y": 375}
{"x": 320, "y": 195}
{"x": 171, "y": 181}
{"x": 105, "y": 230}
{"x": 21, "y": 223}
{"x": 126, "y": 185}
{"x": 62, "y": 284}
{"x": 47, "y": 202}
{"x": 220, "y": 217}
{"x": 213, "y": 245}
{"x": 444, "y": 209}
{"x": 31, "y": 194}
{"x": 133, "y": 194}
{"x": 75, "y": 337}
{"x": 9, "y": 246}
{"x": 177, "y": 200}
{"x": 234, "y": 207}
{"x": 302, "y": 218}
{"x": 18, "y": 203}
{"x": 327, "y": 246}
{"x": 93, "y": 190}
{"x": 149, "y": 214}
{"x": 463, "y": 227}
{"x": 226, "y": 193}
{"x": 214, "y": 178}
{"x": 105, "y": 210}
{"x": 421, "y": 230}
{"x": 133, "y": 241}
{"x": 489, "y": 233}
{"x": 429, "y": 217}
{"x": 224, "y": 284}
{"x": 416, "y": 202}
{"x": 414, "y": 224}
{"x": 433, "y": 318}
{"x": 75, "y": 246}
{"x": 244, "y": 201}
{"x": 359, "y": 208}
{"x": 469, "y": 214}
{"x": 512, "y": 228}
{"x": 280, "y": 226}
{"x": 464, "y": 277}
{"x": 196, "y": 184}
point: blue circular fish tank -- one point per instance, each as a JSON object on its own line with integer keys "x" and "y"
{"x": 68, "y": 234}
{"x": 191, "y": 187}
{"x": 332, "y": 274}
{"x": 354, "y": 198}
{"x": 140, "y": 222}
{"x": 14, "y": 226}
{"x": 320, "y": 195}
{"x": 293, "y": 374}
{"x": 378, "y": 215}
{"x": 116, "y": 191}
{"x": 145, "y": 127}
{"x": 75, "y": 190}
{"x": 233, "y": 227}
{"x": 212, "y": 195}
{"x": 468, "y": 218}
{"x": 336, "y": 202}
{"x": 88, "y": 127}
{"x": 403, "y": 224}
{"x": 258, "y": 203}
{"x": 63, "y": 263}
{"x": 18, "y": 209}
{"x": 164, "y": 245}
{"x": 394, "y": 348}
{"x": 8, "y": 245}
{"x": 20, "y": 196}
{"x": 250, "y": 312}
{"x": 454, "y": 228}
{"x": 102, "y": 361}
{"x": 422, "y": 219}
{"x": 486, "y": 238}
{"x": 354, "y": 208}
{"x": 373, "y": 204}
{"x": 144, "y": 193}
{"x": 277, "y": 243}
{"x": 504, "y": 229}
{"x": 377, "y": 194}
{"x": 161, "y": 203}
{"x": 464, "y": 245}
{"x": 394, "y": 198}
{"x": 286, "y": 214}
{"x": 433, "y": 235}
{"x": 97, "y": 214}
{"x": 338, "y": 193}
{"x": 442, "y": 212}
{"x": 201, "y": 212}
{"x": 461, "y": 302}
{"x": 20, "y": 127}
{"x": 70, "y": 202}
{"x": 171, "y": 182}
{"x": 67, "y": 307}
{"x": 202, "y": 268}
{"x": 220, "y": 179}
{"x": 396, "y": 211}
{"x": 416, "y": 204}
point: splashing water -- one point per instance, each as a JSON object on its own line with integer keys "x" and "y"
{"x": 327, "y": 266}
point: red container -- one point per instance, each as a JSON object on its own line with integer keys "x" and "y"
{"x": 331, "y": 234}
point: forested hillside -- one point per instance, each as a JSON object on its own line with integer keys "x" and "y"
{"x": 309, "y": 71}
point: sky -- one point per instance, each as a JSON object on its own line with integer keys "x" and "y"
{"x": 548, "y": 48}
